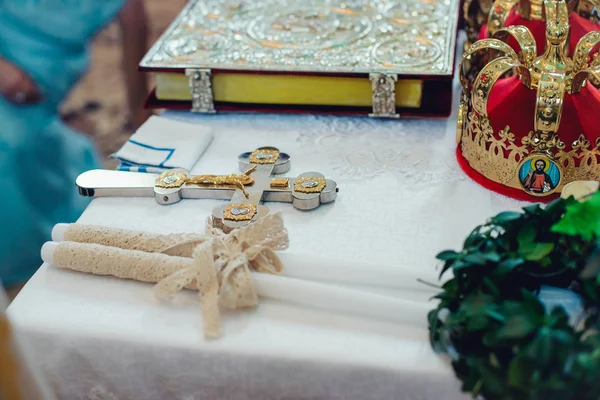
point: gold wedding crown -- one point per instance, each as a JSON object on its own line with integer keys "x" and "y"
{"x": 538, "y": 163}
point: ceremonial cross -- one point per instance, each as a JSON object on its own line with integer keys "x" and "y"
{"x": 244, "y": 191}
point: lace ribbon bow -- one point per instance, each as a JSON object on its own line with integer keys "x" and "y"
{"x": 222, "y": 265}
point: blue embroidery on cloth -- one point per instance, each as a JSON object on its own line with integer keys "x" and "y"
{"x": 147, "y": 146}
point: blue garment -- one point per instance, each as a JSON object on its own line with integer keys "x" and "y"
{"x": 40, "y": 157}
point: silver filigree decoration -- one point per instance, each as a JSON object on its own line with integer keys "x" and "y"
{"x": 197, "y": 47}
{"x": 329, "y": 36}
{"x": 384, "y": 95}
{"x": 309, "y": 28}
{"x": 403, "y": 11}
{"x": 201, "y": 90}
{"x": 410, "y": 52}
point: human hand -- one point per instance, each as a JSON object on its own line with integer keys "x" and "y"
{"x": 16, "y": 86}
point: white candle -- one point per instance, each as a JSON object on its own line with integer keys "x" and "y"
{"x": 48, "y": 250}
{"x": 322, "y": 295}
{"x": 338, "y": 298}
{"x": 58, "y": 232}
{"x": 358, "y": 273}
{"x": 341, "y": 271}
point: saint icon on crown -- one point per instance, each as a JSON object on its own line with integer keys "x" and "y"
{"x": 539, "y": 175}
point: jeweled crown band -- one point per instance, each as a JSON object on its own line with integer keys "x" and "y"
{"x": 499, "y": 156}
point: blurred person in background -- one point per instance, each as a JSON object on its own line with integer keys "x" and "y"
{"x": 43, "y": 53}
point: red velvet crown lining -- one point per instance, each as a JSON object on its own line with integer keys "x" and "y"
{"x": 512, "y": 104}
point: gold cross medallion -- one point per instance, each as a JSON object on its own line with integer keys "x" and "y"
{"x": 264, "y": 156}
{"x": 310, "y": 184}
{"x": 239, "y": 212}
{"x": 171, "y": 179}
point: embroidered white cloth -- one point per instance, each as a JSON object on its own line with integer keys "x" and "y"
{"x": 19, "y": 368}
{"x": 161, "y": 144}
{"x": 402, "y": 199}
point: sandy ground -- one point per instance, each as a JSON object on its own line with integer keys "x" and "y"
{"x": 105, "y": 118}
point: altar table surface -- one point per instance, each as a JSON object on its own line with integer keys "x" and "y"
{"x": 402, "y": 199}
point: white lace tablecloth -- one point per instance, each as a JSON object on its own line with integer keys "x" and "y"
{"x": 402, "y": 199}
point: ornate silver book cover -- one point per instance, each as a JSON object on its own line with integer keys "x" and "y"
{"x": 404, "y": 37}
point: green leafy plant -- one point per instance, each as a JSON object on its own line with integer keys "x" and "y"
{"x": 503, "y": 342}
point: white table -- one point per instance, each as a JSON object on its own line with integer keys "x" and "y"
{"x": 402, "y": 199}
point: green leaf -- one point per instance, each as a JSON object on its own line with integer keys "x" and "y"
{"x": 492, "y": 256}
{"x": 536, "y": 251}
{"x": 433, "y": 329}
{"x": 460, "y": 265}
{"x": 490, "y": 339}
{"x": 516, "y": 327}
{"x": 532, "y": 304}
{"x": 593, "y": 339}
{"x": 563, "y": 337}
{"x": 556, "y": 208}
{"x": 590, "y": 289}
{"x": 506, "y": 216}
{"x": 581, "y": 219}
{"x": 492, "y": 379}
{"x": 559, "y": 389}
{"x": 514, "y": 373}
{"x": 477, "y": 323}
{"x": 475, "y": 258}
{"x": 476, "y": 389}
{"x": 558, "y": 318}
{"x": 540, "y": 348}
{"x": 592, "y": 269}
{"x": 519, "y": 372}
{"x": 447, "y": 255}
{"x": 476, "y": 305}
{"x": 556, "y": 205}
{"x": 446, "y": 267}
{"x": 526, "y": 235}
{"x": 504, "y": 268}
{"x": 491, "y": 287}
{"x": 495, "y": 315}
{"x": 512, "y": 263}
{"x": 451, "y": 287}
{"x": 533, "y": 209}
{"x": 474, "y": 241}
